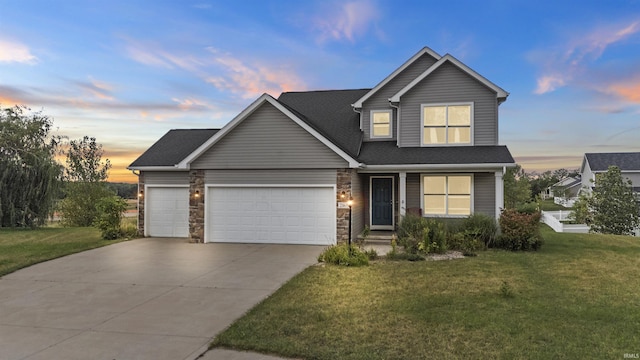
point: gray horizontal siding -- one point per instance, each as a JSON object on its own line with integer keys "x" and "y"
{"x": 268, "y": 139}
{"x": 166, "y": 178}
{"x": 380, "y": 100}
{"x": 484, "y": 193}
{"x": 271, "y": 177}
{"x": 414, "y": 194}
{"x": 448, "y": 84}
{"x": 634, "y": 177}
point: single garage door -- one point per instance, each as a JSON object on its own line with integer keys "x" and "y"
{"x": 275, "y": 215}
{"x": 167, "y": 211}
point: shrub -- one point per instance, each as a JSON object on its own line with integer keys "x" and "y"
{"x": 520, "y": 231}
{"x": 419, "y": 235}
{"x": 481, "y": 227}
{"x": 340, "y": 255}
{"x": 110, "y": 211}
{"x": 371, "y": 254}
{"x": 129, "y": 230}
{"x": 467, "y": 243}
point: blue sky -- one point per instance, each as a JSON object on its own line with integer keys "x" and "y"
{"x": 126, "y": 72}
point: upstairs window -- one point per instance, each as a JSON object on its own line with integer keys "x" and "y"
{"x": 381, "y": 124}
{"x": 446, "y": 195}
{"x": 446, "y": 124}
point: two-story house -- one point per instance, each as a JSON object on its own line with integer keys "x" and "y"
{"x": 597, "y": 163}
{"x": 424, "y": 140}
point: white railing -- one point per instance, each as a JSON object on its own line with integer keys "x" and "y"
{"x": 554, "y": 220}
{"x": 564, "y": 201}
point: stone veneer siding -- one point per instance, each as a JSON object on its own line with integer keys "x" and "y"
{"x": 141, "y": 204}
{"x": 343, "y": 183}
{"x": 196, "y": 206}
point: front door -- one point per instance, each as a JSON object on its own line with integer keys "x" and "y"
{"x": 381, "y": 203}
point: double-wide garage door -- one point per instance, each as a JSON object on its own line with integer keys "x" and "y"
{"x": 277, "y": 215}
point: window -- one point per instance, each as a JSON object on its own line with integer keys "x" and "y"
{"x": 446, "y": 195}
{"x": 381, "y": 124}
{"x": 446, "y": 124}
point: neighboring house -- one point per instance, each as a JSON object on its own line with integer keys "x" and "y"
{"x": 424, "y": 140}
{"x": 569, "y": 187}
{"x": 594, "y": 163}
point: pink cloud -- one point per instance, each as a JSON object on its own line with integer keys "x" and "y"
{"x": 628, "y": 91}
{"x": 346, "y": 21}
{"x": 562, "y": 66}
{"x": 11, "y": 51}
{"x": 250, "y": 80}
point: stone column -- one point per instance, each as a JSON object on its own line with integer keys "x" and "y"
{"x": 141, "y": 194}
{"x": 343, "y": 184}
{"x": 196, "y": 206}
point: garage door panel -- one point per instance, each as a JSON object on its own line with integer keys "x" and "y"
{"x": 298, "y": 215}
{"x": 167, "y": 212}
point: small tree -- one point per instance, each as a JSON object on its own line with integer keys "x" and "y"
{"x": 517, "y": 189}
{"x": 29, "y": 174}
{"x": 615, "y": 210}
{"x": 581, "y": 213}
{"x": 85, "y": 177}
{"x": 110, "y": 210}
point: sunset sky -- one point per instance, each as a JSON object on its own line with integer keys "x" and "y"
{"x": 126, "y": 72}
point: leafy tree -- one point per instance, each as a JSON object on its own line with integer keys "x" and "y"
{"x": 85, "y": 185}
{"x": 517, "y": 189}
{"x": 615, "y": 210}
{"x": 110, "y": 210}
{"x": 29, "y": 174}
{"x": 581, "y": 213}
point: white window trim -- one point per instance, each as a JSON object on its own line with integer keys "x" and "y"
{"x": 424, "y": 214}
{"x": 390, "y": 112}
{"x": 471, "y": 124}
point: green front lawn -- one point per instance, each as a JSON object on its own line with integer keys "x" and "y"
{"x": 549, "y": 205}
{"x": 578, "y": 297}
{"x": 22, "y": 248}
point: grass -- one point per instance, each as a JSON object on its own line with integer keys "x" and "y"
{"x": 578, "y": 297}
{"x": 21, "y": 248}
{"x": 549, "y": 205}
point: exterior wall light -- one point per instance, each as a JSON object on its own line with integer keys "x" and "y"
{"x": 197, "y": 194}
{"x": 141, "y": 193}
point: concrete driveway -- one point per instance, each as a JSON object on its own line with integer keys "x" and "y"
{"x": 142, "y": 299}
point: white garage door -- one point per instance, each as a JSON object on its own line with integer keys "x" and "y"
{"x": 291, "y": 215}
{"x": 167, "y": 211}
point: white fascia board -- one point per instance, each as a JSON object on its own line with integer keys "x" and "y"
{"x": 585, "y": 162}
{"x": 501, "y": 93}
{"x": 424, "y": 50}
{"x": 431, "y": 167}
{"x": 184, "y": 164}
{"x": 155, "y": 168}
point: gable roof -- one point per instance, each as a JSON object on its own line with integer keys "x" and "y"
{"x": 425, "y": 50}
{"x": 626, "y": 161}
{"x": 329, "y": 112}
{"x": 449, "y": 58}
{"x": 265, "y": 98}
{"x": 388, "y": 153}
{"x": 172, "y": 147}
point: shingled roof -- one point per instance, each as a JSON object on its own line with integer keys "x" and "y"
{"x": 387, "y": 152}
{"x": 330, "y": 113}
{"x": 626, "y": 161}
{"x": 173, "y": 147}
